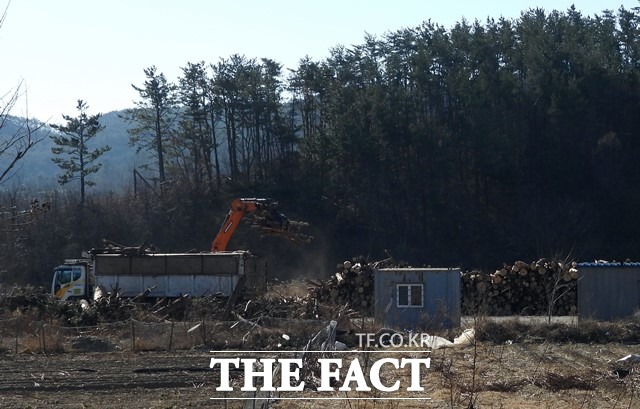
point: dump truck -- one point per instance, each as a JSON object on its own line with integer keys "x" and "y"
{"x": 155, "y": 274}
{"x": 131, "y": 271}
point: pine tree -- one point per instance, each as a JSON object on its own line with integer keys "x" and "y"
{"x": 153, "y": 117}
{"x": 72, "y": 151}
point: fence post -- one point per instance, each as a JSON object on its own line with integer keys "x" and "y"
{"x": 17, "y": 335}
{"x": 204, "y": 332}
{"x": 133, "y": 336}
{"x": 44, "y": 346}
{"x": 171, "y": 336}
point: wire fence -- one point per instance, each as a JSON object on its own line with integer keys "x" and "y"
{"x": 25, "y": 335}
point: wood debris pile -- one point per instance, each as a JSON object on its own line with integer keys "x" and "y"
{"x": 23, "y": 299}
{"x": 282, "y": 307}
{"x": 536, "y": 288}
{"x": 351, "y": 285}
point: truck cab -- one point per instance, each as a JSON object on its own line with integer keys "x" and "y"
{"x": 70, "y": 280}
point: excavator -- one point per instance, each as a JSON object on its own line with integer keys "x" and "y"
{"x": 144, "y": 270}
{"x": 266, "y": 217}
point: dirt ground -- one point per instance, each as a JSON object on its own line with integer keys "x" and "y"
{"x": 511, "y": 375}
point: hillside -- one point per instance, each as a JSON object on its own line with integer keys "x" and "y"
{"x": 37, "y": 170}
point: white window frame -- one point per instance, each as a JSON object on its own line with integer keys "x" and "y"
{"x": 409, "y": 299}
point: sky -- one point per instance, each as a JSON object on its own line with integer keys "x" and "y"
{"x": 59, "y": 51}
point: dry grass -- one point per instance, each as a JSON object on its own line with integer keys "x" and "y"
{"x": 350, "y": 404}
{"x": 585, "y": 331}
{"x": 514, "y": 363}
{"x": 508, "y": 376}
{"x": 488, "y": 375}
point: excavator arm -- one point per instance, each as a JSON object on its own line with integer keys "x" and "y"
{"x": 267, "y": 218}
{"x": 272, "y": 221}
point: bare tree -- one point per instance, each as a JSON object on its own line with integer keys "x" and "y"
{"x": 14, "y": 144}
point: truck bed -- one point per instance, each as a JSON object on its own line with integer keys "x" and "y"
{"x": 172, "y": 274}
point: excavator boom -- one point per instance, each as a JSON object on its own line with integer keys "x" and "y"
{"x": 270, "y": 221}
{"x": 239, "y": 207}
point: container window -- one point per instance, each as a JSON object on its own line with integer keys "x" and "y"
{"x": 410, "y": 295}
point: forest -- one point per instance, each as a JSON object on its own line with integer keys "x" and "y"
{"x": 472, "y": 146}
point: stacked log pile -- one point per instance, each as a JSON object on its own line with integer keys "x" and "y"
{"x": 522, "y": 289}
{"x": 518, "y": 289}
{"x": 351, "y": 286}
